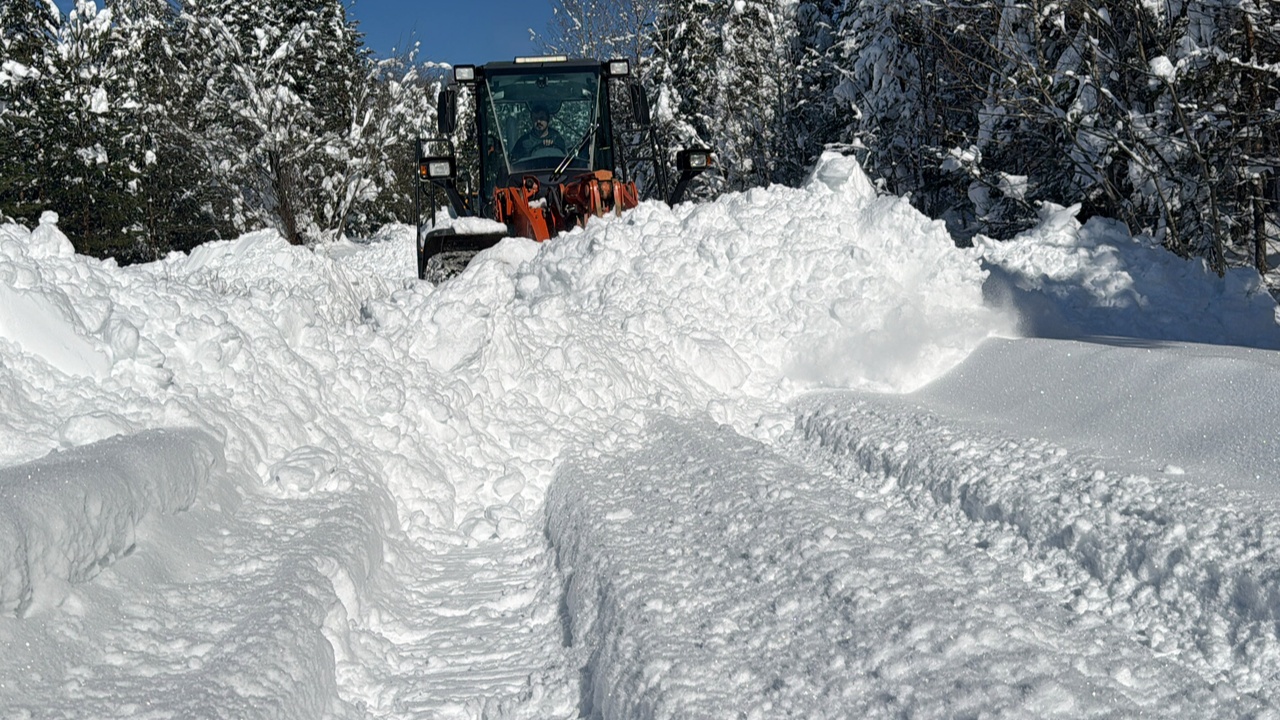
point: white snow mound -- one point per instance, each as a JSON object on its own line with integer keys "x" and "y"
{"x": 68, "y": 515}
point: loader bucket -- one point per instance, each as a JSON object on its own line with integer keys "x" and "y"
{"x": 444, "y": 252}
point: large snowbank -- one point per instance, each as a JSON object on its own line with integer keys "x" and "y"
{"x": 70, "y": 514}
{"x": 373, "y": 545}
{"x": 1180, "y": 561}
{"x": 1203, "y": 411}
{"x": 1069, "y": 280}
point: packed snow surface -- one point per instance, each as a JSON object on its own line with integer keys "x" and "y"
{"x": 789, "y": 453}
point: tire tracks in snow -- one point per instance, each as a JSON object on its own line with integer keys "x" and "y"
{"x": 708, "y": 574}
{"x": 461, "y": 631}
{"x": 1189, "y": 572}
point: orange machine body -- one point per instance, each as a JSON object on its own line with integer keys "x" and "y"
{"x": 540, "y": 212}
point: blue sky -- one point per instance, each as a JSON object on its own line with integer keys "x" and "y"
{"x": 453, "y": 31}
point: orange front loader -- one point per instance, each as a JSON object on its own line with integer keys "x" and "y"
{"x": 554, "y": 155}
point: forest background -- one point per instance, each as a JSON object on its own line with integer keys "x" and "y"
{"x": 153, "y": 125}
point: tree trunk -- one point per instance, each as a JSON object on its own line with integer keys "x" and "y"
{"x": 1259, "y": 185}
{"x": 282, "y": 185}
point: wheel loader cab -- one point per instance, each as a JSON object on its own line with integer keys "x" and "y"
{"x": 570, "y": 93}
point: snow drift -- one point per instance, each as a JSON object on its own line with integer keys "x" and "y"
{"x": 374, "y": 541}
{"x": 70, "y": 514}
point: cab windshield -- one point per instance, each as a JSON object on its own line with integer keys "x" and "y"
{"x": 569, "y": 104}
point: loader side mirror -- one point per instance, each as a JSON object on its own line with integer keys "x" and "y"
{"x": 447, "y": 110}
{"x": 639, "y": 103}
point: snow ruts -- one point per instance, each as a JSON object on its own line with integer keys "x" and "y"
{"x": 471, "y": 632}
{"x": 709, "y": 575}
{"x": 1188, "y": 570}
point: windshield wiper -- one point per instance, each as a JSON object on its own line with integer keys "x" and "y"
{"x": 564, "y": 164}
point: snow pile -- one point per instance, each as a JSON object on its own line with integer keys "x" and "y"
{"x": 1068, "y": 280}
{"x": 68, "y": 515}
{"x": 242, "y": 599}
{"x": 35, "y": 313}
{"x": 728, "y": 309}
{"x": 374, "y": 542}
{"x": 812, "y": 271}
{"x": 1204, "y": 411}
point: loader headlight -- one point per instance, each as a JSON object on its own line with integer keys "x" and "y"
{"x": 693, "y": 160}
{"x": 618, "y": 68}
{"x": 536, "y": 59}
{"x": 464, "y": 73}
{"x": 436, "y": 168}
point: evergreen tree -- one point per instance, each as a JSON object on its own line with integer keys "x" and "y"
{"x": 756, "y": 73}
{"x": 998, "y": 152}
{"x": 28, "y": 36}
{"x": 681, "y": 76}
{"x": 82, "y": 118}
{"x": 813, "y": 108}
{"x": 600, "y": 29}
{"x": 27, "y": 30}
{"x": 151, "y": 126}
{"x": 173, "y": 204}
{"x": 393, "y": 107}
{"x": 892, "y": 85}
{"x": 740, "y": 79}
{"x": 282, "y": 81}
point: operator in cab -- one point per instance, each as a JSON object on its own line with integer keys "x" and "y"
{"x": 540, "y": 136}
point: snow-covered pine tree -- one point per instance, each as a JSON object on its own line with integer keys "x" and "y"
{"x": 393, "y": 107}
{"x": 756, "y": 73}
{"x": 281, "y": 78}
{"x": 27, "y": 30}
{"x": 907, "y": 112}
{"x": 1161, "y": 114}
{"x": 729, "y": 76}
{"x": 173, "y": 205}
{"x": 681, "y": 77}
{"x": 813, "y": 111}
{"x": 998, "y": 149}
{"x": 599, "y": 29}
{"x": 955, "y": 104}
{"x": 28, "y": 34}
{"x": 81, "y": 121}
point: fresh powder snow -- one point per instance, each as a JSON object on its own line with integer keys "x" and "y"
{"x": 790, "y": 453}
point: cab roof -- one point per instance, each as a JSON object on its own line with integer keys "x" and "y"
{"x": 527, "y": 64}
